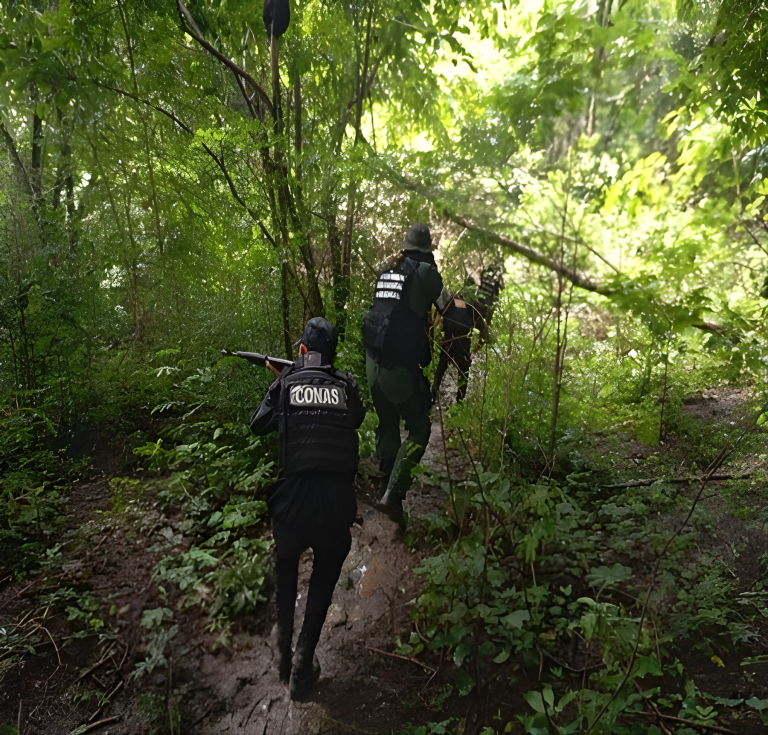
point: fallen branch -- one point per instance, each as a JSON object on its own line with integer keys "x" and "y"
{"x": 646, "y": 483}
{"x": 18, "y": 594}
{"x": 576, "y": 278}
{"x": 100, "y": 723}
{"x": 54, "y": 644}
{"x": 437, "y": 197}
{"x": 93, "y": 668}
{"x": 106, "y": 701}
{"x": 653, "y": 708}
{"x": 689, "y": 723}
{"x": 205, "y": 714}
{"x": 403, "y": 658}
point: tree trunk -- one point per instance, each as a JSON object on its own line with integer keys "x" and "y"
{"x": 298, "y": 112}
{"x": 37, "y": 155}
{"x": 361, "y": 78}
{"x": 286, "y": 312}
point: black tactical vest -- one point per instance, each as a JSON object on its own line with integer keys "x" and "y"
{"x": 392, "y": 331}
{"x": 316, "y": 430}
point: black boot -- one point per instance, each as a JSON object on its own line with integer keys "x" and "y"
{"x": 306, "y": 669}
{"x": 392, "y": 504}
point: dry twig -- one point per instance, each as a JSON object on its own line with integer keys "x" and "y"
{"x": 654, "y": 708}
{"x": 646, "y": 483}
{"x": 110, "y": 654}
{"x": 18, "y": 594}
{"x": 100, "y": 723}
{"x": 690, "y": 723}
{"x": 403, "y": 658}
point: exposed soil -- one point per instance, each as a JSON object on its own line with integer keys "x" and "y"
{"x": 223, "y": 689}
{"x": 725, "y": 403}
{"x": 234, "y": 688}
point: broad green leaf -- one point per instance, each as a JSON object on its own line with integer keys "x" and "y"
{"x": 516, "y": 619}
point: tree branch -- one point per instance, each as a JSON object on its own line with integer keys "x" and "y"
{"x": 195, "y": 33}
{"x": 14, "y": 153}
{"x": 576, "y": 278}
{"x": 219, "y": 160}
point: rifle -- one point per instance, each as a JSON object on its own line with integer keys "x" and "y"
{"x": 256, "y": 359}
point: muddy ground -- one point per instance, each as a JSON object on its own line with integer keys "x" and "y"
{"x": 230, "y": 688}
{"x": 234, "y": 688}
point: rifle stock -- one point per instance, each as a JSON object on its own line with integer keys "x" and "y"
{"x": 256, "y": 359}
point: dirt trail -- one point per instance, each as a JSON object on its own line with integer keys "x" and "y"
{"x": 222, "y": 689}
{"x": 239, "y": 691}
{"x": 234, "y": 689}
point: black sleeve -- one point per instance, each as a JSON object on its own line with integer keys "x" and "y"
{"x": 265, "y": 419}
{"x": 356, "y": 407}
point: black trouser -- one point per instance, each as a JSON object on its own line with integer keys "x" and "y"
{"x": 330, "y": 546}
{"x": 456, "y": 350}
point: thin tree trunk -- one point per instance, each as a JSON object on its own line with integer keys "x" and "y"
{"x": 562, "y": 342}
{"x": 37, "y": 155}
{"x": 663, "y": 397}
{"x": 603, "y": 19}
{"x": 298, "y": 113}
{"x": 144, "y": 126}
{"x": 274, "y": 52}
{"x": 286, "y": 314}
{"x": 21, "y": 172}
{"x": 346, "y": 245}
{"x": 558, "y": 371}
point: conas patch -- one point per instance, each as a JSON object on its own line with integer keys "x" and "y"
{"x": 318, "y": 396}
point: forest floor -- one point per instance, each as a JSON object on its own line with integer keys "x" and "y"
{"x": 87, "y": 685}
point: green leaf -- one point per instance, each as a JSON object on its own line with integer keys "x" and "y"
{"x": 502, "y": 657}
{"x": 729, "y": 702}
{"x": 535, "y": 700}
{"x": 462, "y": 651}
{"x": 606, "y": 390}
{"x": 756, "y": 703}
{"x": 608, "y": 576}
{"x": 154, "y": 618}
{"x": 516, "y": 619}
{"x": 464, "y": 682}
{"x": 549, "y": 696}
{"x": 646, "y": 665}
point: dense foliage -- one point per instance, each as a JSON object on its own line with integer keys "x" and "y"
{"x": 172, "y": 184}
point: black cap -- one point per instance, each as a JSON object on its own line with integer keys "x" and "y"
{"x": 418, "y": 238}
{"x": 321, "y": 336}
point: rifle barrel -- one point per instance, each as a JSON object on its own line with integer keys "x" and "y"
{"x": 256, "y": 359}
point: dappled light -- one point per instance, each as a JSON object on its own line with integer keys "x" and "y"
{"x": 525, "y": 464}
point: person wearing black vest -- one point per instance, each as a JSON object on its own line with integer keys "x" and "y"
{"x": 316, "y": 411}
{"x": 397, "y": 349}
{"x": 460, "y": 317}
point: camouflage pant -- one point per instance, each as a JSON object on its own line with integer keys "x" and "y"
{"x": 399, "y": 395}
